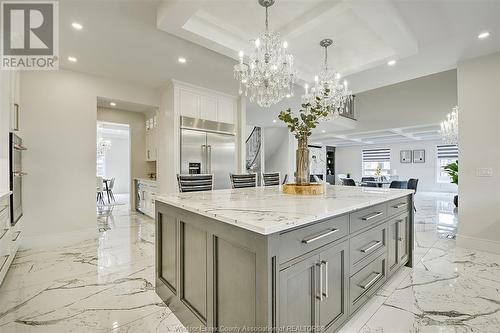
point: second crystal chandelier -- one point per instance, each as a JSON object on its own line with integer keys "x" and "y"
{"x": 269, "y": 76}
{"x": 328, "y": 83}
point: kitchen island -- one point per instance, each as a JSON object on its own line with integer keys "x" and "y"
{"x": 256, "y": 259}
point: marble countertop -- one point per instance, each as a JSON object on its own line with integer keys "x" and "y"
{"x": 267, "y": 210}
{"x": 4, "y": 193}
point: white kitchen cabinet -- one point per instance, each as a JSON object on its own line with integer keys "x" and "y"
{"x": 145, "y": 196}
{"x": 201, "y": 103}
{"x": 208, "y": 107}
{"x": 14, "y": 104}
{"x": 226, "y": 110}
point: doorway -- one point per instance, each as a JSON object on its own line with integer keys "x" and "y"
{"x": 113, "y": 163}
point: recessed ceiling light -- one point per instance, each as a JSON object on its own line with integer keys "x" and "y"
{"x": 288, "y": 95}
{"x": 182, "y": 60}
{"x": 274, "y": 121}
{"x": 72, "y": 59}
{"x": 112, "y": 104}
{"x": 323, "y": 131}
{"x": 483, "y": 35}
{"x": 77, "y": 26}
{"x": 391, "y": 62}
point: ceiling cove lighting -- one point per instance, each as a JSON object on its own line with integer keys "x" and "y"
{"x": 112, "y": 104}
{"x": 328, "y": 88}
{"x": 182, "y": 60}
{"x": 269, "y": 75}
{"x": 483, "y": 35}
{"x": 391, "y": 62}
{"x": 72, "y": 59}
{"x": 77, "y": 26}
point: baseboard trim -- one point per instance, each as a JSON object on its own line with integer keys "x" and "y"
{"x": 480, "y": 244}
{"x": 57, "y": 239}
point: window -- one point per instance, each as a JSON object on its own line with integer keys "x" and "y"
{"x": 374, "y": 159}
{"x": 446, "y": 154}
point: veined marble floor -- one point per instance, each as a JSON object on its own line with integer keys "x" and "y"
{"x": 106, "y": 284}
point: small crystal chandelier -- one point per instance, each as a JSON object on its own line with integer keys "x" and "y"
{"x": 269, "y": 76}
{"x": 449, "y": 128}
{"x": 103, "y": 146}
{"x": 327, "y": 83}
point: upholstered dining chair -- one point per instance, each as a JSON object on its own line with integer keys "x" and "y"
{"x": 412, "y": 185}
{"x": 398, "y": 184}
{"x": 195, "y": 183}
{"x": 348, "y": 182}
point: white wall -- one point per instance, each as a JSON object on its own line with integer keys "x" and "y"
{"x": 5, "y": 90}
{"x": 59, "y": 128}
{"x": 421, "y": 101}
{"x": 348, "y": 160}
{"x": 479, "y": 142}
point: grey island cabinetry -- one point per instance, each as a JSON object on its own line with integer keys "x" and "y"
{"x": 257, "y": 259}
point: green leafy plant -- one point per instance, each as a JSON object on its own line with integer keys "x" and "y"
{"x": 452, "y": 170}
{"x": 309, "y": 116}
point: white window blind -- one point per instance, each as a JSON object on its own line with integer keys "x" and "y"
{"x": 375, "y": 160}
{"x": 377, "y": 155}
{"x": 447, "y": 151}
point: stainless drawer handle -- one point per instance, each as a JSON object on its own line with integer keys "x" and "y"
{"x": 371, "y": 216}
{"x": 323, "y": 262}
{"x": 371, "y": 247}
{"x": 315, "y": 238}
{"x": 320, "y": 297}
{"x": 400, "y": 205}
{"x": 3, "y": 233}
{"x": 372, "y": 281}
{"x": 17, "y": 236}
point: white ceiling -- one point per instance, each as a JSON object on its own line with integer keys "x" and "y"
{"x": 392, "y": 135}
{"x": 425, "y": 37}
{"x": 104, "y": 102}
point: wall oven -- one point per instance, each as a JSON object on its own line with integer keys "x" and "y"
{"x": 16, "y": 177}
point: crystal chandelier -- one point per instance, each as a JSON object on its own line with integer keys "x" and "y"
{"x": 449, "y": 128}
{"x": 103, "y": 146}
{"x": 332, "y": 94}
{"x": 269, "y": 75}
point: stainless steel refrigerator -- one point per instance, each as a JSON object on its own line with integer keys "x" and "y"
{"x": 208, "y": 147}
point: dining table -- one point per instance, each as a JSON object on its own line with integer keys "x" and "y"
{"x": 379, "y": 183}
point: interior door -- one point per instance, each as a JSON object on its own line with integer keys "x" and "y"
{"x": 193, "y": 150}
{"x": 221, "y": 150}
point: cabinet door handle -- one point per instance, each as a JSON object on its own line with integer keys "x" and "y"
{"x": 315, "y": 238}
{"x": 323, "y": 262}
{"x": 371, "y": 282}
{"x": 371, "y": 247}
{"x": 400, "y": 205}
{"x": 399, "y": 230}
{"x": 371, "y": 216}
{"x": 320, "y": 297}
{"x": 16, "y": 110}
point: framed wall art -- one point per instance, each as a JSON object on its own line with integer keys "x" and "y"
{"x": 405, "y": 156}
{"x": 419, "y": 156}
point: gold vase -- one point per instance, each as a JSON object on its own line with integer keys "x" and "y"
{"x": 302, "y": 162}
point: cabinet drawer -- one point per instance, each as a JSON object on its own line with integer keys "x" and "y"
{"x": 367, "y": 217}
{"x": 364, "y": 283}
{"x": 297, "y": 242}
{"x": 367, "y": 244}
{"x": 398, "y": 206}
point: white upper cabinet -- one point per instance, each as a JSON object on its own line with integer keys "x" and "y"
{"x": 189, "y": 103}
{"x": 226, "y": 110}
{"x": 206, "y": 104}
{"x": 208, "y": 107}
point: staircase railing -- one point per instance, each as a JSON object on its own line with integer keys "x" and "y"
{"x": 253, "y": 144}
